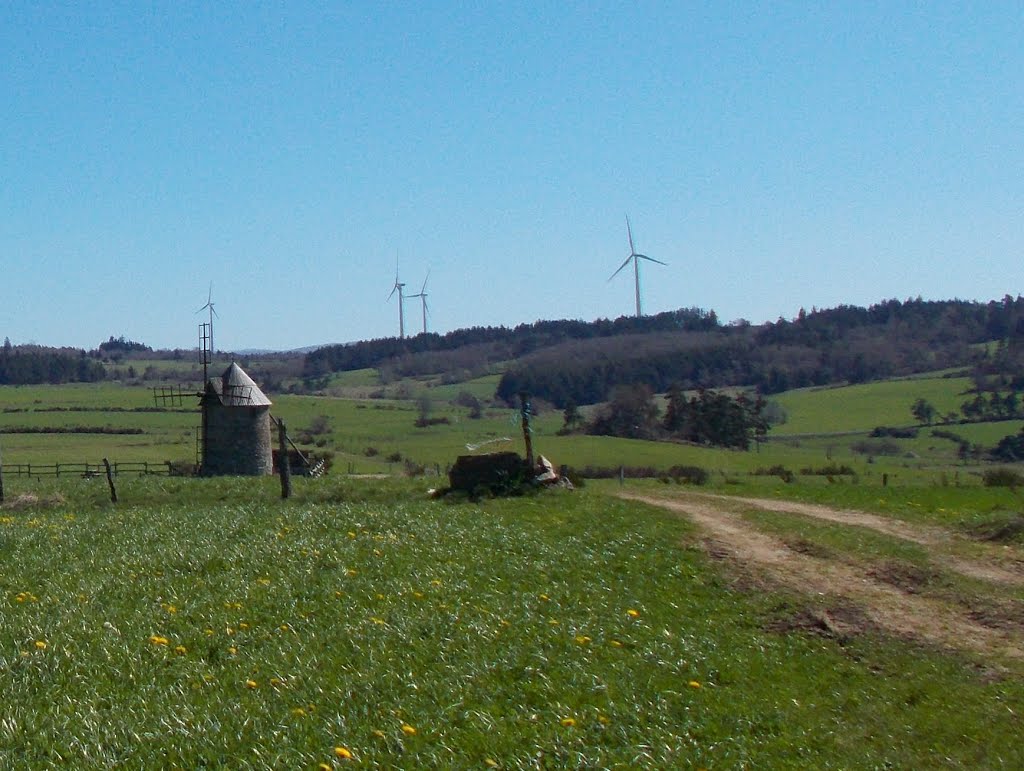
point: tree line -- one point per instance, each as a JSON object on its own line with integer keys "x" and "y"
{"x": 844, "y": 344}
{"x": 33, "y": 365}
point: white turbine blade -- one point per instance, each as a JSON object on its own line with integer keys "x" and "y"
{"x": 393, "y": 290}
{"x": 651, "y": 259}
{"x": 424, "y": 287}
{"x": 613, "y": 275}
{"x": 629, "y": 230}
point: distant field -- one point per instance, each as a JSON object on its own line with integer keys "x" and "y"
{"x": 366, "y": 435}
{"x": 862, "y": 407}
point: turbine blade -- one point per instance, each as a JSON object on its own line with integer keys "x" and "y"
{"x": 629, "y": 230}
{"x": 393, "y": 290}
{"x": 424, "y": 287}
{"x": 651, "y": 259}
{"x": 613, "y": 275}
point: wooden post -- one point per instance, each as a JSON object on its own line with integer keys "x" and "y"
{"x": 1, "y": 478}
{"x": 110, "y": 481}
{"x": 527, "y": 438}
{"x": 284, "y": 465}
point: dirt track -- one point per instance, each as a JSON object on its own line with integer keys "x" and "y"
{"x": 860, "y": 587}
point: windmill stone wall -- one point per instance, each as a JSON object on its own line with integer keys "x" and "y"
{"x": 237, "y": 435}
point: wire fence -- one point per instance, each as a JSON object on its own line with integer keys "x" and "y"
{"x": 85, "y": 470}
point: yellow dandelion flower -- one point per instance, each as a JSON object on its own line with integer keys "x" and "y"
{"x": 379, "y": 596}
{"x": 615, "y": 643}
{"x": 408, "y": 730}
{"x": 40, "y": 645}
{"x": 603, "y": 719}
{"x": 568, "y": 722}
{"x": 343, "y": 752}
{"x": 251, "y": 684}
{"x": 324, "y": 767}
{"x": 633, "y": 613}
{"x": 418, "y": 595}
{"x": 208, "y": 632}
{"x": 351, "y": 534}
{"x": 298, "y": 712}
{"x": 435, "y": 582}
{"x": 490, "y": 762}
{"x": 232, "y": 650}
{"x": 285, "y": 627}
{"x": 694, "y": 684}
{"x": 554, "y": 622}
{"x": 582, "y": 639}
{"x": 545, "y": 597}
{"x": 243, "y": 626}
{"x": 376, "y": 620}
{"x": 377, "y": 733}
{"x": 263, "y": 581}
{"x": 351, "y": 572}
{"x": 156, "y": 639}
{"x": 181, "y": 650}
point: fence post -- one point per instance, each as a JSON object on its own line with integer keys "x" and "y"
{"x": 283, "y": 461}
{"x": 110, "y": 481}
{"x": 1, "y": 477}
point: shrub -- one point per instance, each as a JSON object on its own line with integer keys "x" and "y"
{"x": 1002, "y": 477}
{"x": 895, "y": 433}
{"x": 693, "y": 475}
{"x": 781, "y": 472}
{"x": 831, "y": 470}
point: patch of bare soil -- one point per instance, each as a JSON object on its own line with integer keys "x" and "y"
{"x": 882, "y": 601}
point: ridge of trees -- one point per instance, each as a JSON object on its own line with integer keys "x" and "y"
{"x": 843, "y": 344}
{"x": 432, "y": 353}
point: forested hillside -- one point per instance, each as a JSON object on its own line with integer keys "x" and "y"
{"x": 844, "y": 344}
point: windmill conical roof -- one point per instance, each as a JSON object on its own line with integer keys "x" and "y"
{"x": 236, "y": 389}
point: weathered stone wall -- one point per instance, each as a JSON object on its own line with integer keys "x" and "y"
{"x": 237, "y": 441}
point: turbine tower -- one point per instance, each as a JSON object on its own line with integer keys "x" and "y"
{"x": 423, "y": 301}
{"x": 401, "y": 302}
{"x": 209, "y": 304}
{"x": 635, "y": 256}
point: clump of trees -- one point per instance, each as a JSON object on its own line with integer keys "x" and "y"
{"x": 706, "y": 417}
{"x": 33, "y": 364}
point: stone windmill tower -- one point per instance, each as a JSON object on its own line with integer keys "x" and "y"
{"x": 236, "y": 426}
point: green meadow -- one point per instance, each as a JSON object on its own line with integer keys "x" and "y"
{"x": 823, "y": 427}
{"x": 206, "y": 623}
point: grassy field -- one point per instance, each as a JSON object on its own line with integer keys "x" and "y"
{"x": 206, "y": 623}
{"x": 824, "y": 427}
{"x": 862, "y": 407}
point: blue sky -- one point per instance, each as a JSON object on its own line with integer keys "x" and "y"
{"x": 776, "y": 156}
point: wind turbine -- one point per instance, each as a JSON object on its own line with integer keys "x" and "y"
{"x": 401, "y": 302}
{"x": 423, "y": 301}
{"x": 635, "y": 256}
{"x": 209, "y": 304}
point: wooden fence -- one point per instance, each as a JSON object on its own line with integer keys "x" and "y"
{"x": 85, "y": 470}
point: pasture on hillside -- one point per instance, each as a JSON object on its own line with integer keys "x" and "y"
{"x": 824, "y": 428}
{"x": 204, "y": 622}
